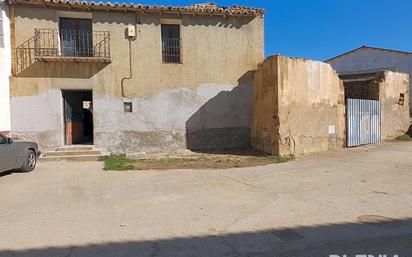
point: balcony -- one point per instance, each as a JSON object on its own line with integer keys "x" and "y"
{"x": 64, "y": 45}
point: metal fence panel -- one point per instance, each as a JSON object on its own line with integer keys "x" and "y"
{"x": 363, "y": 122}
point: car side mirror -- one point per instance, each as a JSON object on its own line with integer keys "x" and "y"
{"x": 9, "y": 140}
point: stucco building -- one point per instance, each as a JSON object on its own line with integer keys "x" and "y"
{"x": 5, "y": 68}
{"x": 302, "y": 106}
{"x": 299, "y": 107}
{"x": 367, "y": 59}
{"x": 391, "y": 89}
{"x": 132, "y": 78}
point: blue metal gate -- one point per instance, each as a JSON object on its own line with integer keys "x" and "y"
{"x": 363, "y": 122}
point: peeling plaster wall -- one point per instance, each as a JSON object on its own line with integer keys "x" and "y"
{"x": 5, "y": 68}
{"x": 370, "y": 60}
{"x": 265, "y": 120}
{"x": 210, "y": 117}
{"x": 298, "y": 107}
{"x": 395, "y": 115}
{"x": 203, "y": 103}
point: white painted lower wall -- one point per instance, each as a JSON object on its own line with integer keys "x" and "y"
{"x": 5, "y": 70}
{"x": 211, "y": 115}
{"x": 38, "y": 118}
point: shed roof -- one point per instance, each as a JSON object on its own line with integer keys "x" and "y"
{"x": 368, "y": 48}
{"x": 195, "y": 9}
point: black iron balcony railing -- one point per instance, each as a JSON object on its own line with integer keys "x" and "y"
{"x": 72, "y": 43}
{"x": 63, "y": 45}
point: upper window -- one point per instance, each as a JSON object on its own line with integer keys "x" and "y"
{"x": 171, "y": 52}
{"x": 1, "y": 30}
{"x": 76, "y": 37}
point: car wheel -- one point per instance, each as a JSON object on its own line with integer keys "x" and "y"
{"x": 29, "y": 162}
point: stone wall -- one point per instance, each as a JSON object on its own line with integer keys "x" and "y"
{"x": 298, "y": 107}
{"x": 203, "y": 103}
{"x": 394, "y": 97}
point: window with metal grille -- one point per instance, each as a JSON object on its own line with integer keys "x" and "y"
{"x": 171, "y": 51}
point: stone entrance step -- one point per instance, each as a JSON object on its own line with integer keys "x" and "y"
{"x": 75, "y": 148}
{"x": 73, "y": 153}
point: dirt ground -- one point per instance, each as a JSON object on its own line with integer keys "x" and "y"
{"x": 192, "y": 160}
{"x": 351, "y": 201}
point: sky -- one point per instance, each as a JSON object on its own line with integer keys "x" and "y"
{"x": 321, "y": 29}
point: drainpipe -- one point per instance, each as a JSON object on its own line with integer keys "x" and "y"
{"x": 130, "y": 38}
{"x": 130, "y": 68}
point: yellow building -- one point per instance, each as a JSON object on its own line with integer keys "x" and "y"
{"x": 132, "y": 78}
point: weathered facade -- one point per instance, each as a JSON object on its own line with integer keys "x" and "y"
{"x": 5, "y": 68}
{"x": 392, "y": 90}
{"x": 298, "y": 107}
{"x": 394, "y": 96}
{"x": 370, "y": 59}
{"x": 141, "y": 99}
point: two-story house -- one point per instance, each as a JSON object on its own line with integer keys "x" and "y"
{"x": 131, "y": 78}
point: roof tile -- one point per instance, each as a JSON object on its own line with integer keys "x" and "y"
{"x": 206, "y": 8}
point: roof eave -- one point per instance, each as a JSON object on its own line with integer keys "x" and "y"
{"x": 143, "y": 9}
{"x": 370, "y": 48}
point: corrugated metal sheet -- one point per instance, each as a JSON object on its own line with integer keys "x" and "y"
{"x": 363, "y": 122}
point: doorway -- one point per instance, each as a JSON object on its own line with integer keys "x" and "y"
{"x": 363, "y": 109}
{"x": 78, "y": 117}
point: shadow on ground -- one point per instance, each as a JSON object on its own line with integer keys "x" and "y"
{"x": 5, "y": 173}
{"x": 372, "y": 235}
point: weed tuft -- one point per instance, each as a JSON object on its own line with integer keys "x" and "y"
{"x": 283, "y": 159}
{"x": 404, "y": 138}
{"x": 118, "y": 162}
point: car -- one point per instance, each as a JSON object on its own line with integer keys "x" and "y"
{"x": 20, "y": 156}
